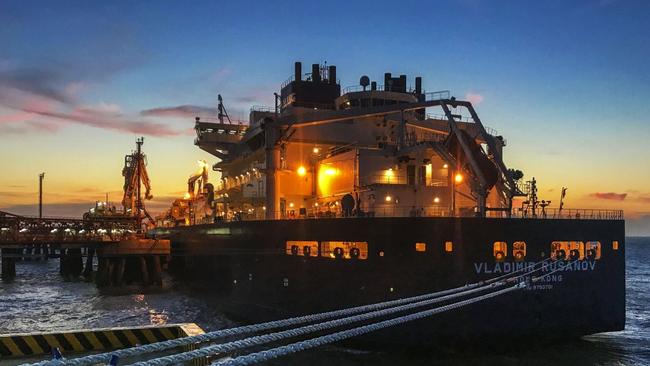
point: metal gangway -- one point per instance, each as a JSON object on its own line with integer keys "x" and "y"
{"x": 324, "y": 328}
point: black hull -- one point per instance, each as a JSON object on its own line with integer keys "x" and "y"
{"x": 248, "y": 264}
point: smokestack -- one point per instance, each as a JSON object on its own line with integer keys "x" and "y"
{"x": 387, "y": 81}
{"x": 402, "y": 82}
{"x": 315, "y": 73}
{"x": 418, "y": 85}
{"x": 332, "y": 75}
{"x": 373, "y": 85}
{"x": 298, "y": 71}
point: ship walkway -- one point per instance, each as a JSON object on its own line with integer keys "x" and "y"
{"x": 333, "y": 211}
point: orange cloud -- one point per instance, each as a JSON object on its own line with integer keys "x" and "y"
{"x": 609, "y": 196}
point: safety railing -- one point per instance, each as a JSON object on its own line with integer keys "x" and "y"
{"x": 333, "y": 210}
{"x": 573, "y": 213}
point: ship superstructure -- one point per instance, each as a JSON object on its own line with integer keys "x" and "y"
{"x": 373, "y": 150}
{"x": 341, "y": 197}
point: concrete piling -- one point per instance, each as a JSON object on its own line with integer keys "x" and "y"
{"x": 8, "y": 264}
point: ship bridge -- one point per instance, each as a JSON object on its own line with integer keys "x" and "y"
{"x": 218, "y": 138}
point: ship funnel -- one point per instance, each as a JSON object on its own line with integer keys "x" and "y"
{"x": 387, "y": 81}
{"x": 373, "y": 85}
{"x": 315, "y": 73}
{"x": 332, "y": 74}
{"x": 418, "y": 85}
{"x": 402, "y": 82}
{"x": 298, "y": 71}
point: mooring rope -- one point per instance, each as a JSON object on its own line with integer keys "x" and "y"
{"x": 319, "y": 341}
{"x": 248, "y": 329}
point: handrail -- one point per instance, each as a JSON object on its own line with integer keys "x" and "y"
{"x": 333, "y": 211}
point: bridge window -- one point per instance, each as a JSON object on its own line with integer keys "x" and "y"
{"x": 593, "y": 249}
{"x": 449, "y": 246}
{"x": 519, "y": 250}
{"x": 500, "y": 250}
{"x": 344, "y": 249}
{"x": 420, "y": 247}
{"x": 302, "y": 247}
{"x": 615, "y": 245}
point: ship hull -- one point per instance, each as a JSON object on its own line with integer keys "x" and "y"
{"x": 259, "y": 279}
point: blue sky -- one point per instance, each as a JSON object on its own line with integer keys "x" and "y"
{"x": 567, "y": 82}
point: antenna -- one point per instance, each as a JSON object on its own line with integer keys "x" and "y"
{"x": 40, "y": 194}
{"x": 364, "y": 81}
{"x": 222, "y": 110}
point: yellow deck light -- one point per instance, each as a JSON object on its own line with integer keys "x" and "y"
{"x": 458, "y": 178}
{"x": 301, "y": 171}
{"x": 388, "y": 198}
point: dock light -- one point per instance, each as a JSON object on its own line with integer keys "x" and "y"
{"x": 316, "y": 204}
{"x": 330, "y": 171}
{"x": 388, "y": 198}
{"x": 23, "y": 230}
{"x": 436, "y": 200}
{"x": 264, "y": 208}
{"x": 302, "y": 171}
{"x": 187, "y": 196}
{"x": 291, "y": 204}
{"x": 54, "y": 230}
{"x": 445, "y": 166}
{"x": 458, "y": 178}
{"x": 316, "y": 150}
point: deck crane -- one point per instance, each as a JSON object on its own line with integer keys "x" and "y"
{"x": 200, "y": 176}
{"x": 135, "y": 176}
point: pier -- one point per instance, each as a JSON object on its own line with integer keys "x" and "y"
{"x": 123, "y": 256}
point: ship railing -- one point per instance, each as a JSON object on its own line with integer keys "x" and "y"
{"x": 360, "y": 88}
{"x": 334, "y": 210}
{"x": 572, "y": 213}
{"x": 437, "y": 95}
{"x": 262, "y": 108}
{"x": 235, "y": 122}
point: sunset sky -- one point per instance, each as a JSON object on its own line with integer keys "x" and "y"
{"x": 567, "y": 84}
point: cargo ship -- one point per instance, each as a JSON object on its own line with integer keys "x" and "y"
{"x": 341, "y": 197}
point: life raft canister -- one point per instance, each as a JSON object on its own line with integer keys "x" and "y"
{"x": 338, "y": 252}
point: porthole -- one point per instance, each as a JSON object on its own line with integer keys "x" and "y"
{"x": 420, "y": 247}
{"x": 593, "y": 250}
{"x": 500, "y": 250}
{"x": 519, "y": 250}
{"x": 449, "y": 246}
